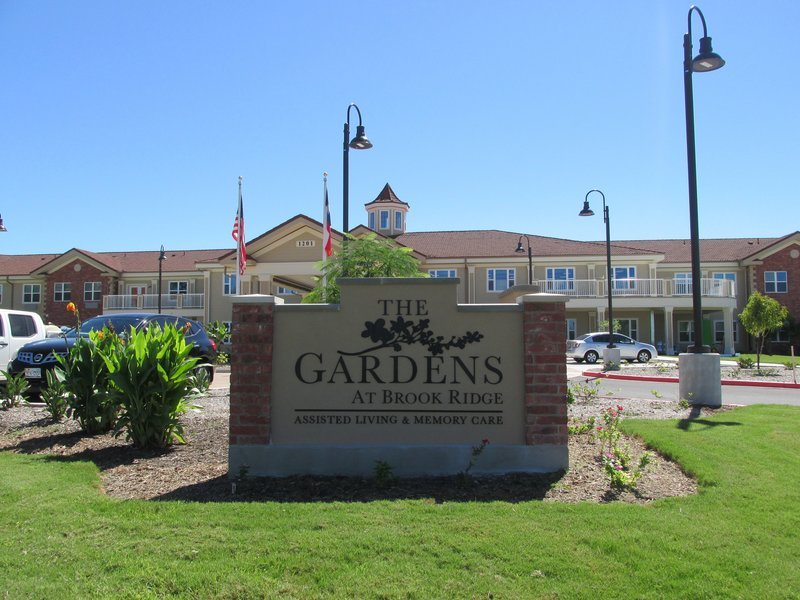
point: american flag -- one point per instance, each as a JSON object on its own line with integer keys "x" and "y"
{"x": 327, "y": 243}
{"x": 238, "y": 234}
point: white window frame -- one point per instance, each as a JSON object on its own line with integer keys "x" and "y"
{"x": 229, "y": 284}
{"x": 624, "y": 283}
{"x": 31, "y": 293}
{"x": 773, "y": 280}
{"x": 779, "y": 335}
{"x": 632, "y": 330}
{"x": 556, "y": 284}
{"x": 442, "y": 273}
{"x": 492, "y": 281}
{"x": 62, "y": 291}
{"x": 686, "y": 332}
{"x": 285, "y": 291}
{"x": 682, "y": 284}
{"x": 178, "y": 284}
{"x": 572, "y": 329}
{"x": 384, "y": 222}
{"x": 92, "y": 291}
{"x": 719, "y": 331}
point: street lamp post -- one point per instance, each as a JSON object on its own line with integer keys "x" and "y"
{"x": 520, "y": 249}
{"x": 707, "y": 60}
{"x": 359, "y": 142}
{"x": 162, "y": 256}
{"x": 2, "y": 227}
{"x": 588, "y": 212}
{"x": 699, "y": 368}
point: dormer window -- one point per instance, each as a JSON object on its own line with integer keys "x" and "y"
{"x": 398, "y": 220}
{"x": 384, "y": 219}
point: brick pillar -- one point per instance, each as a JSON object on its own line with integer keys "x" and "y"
{"x": 544, "y": 337}
{"x": 251, "y": 369}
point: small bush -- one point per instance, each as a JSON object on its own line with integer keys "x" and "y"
{"x": 14, "y": 391}
{"x": 55, "y": 396}
{"x": 152, "y": 378}
{"x": 746, "y": 362}
{"x": 87, "y": 383}
{"x": 222, "y": 358}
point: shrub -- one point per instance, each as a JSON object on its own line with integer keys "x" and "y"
{"x": 55, "y": 396}
{"x": 86, "y": 380}
{"x": 746, "y": 362}
{"x": 222, "y": 358}
{"x": 14, "y": 391}
{"x": 152, "y": 378}
{"x": 616, "y": 459}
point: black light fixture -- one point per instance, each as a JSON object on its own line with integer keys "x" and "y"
{"x": 588, "y": 212}
{"x": 162, "y": 256}
{"x": 520, "y": 249}
{"x": 359, "y": 142}
{"x": 707, "y": 60}
{"x": 2, "y": 227}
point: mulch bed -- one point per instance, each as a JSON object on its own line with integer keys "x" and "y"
{"x": 198, "y": 471}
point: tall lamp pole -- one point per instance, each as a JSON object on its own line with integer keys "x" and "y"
{"x": 520, "y": 249}
{"x": 588, "y": 212}
{"x": 359, "y": 142}
{"x": 2, "y": 227}
{"x": 707, "y": 60}
{"x": 162, "y": 256}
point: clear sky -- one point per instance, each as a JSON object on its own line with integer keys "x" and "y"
{"x": 125, "y": 125}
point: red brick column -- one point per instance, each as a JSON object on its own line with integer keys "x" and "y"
{"x": 251, "y": 370}
{"x": 544, "y": 337}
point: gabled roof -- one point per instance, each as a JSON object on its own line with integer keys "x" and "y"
{"x": 387, "y": 196}
{"x": 494, "y": 243}
{"x": 711, "y": 250}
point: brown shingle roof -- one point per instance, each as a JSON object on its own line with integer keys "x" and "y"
{"x": 387, "y": 195}
{"x": 711, "y": 250}
{"x": 494, "y": 243}
{"x": 23, "y": 264}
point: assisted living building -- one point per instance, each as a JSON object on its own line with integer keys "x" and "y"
{"x": 651, "y": 284}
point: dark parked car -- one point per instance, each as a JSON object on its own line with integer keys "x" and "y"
{"x": 36, "y": 358}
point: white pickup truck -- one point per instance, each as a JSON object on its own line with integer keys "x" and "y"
{"x": 17, "y": 328}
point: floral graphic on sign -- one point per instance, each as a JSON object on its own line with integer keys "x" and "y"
{"x": 401, "y": 332}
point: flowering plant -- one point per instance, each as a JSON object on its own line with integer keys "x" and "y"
{"x": 476, "y": 452}
{"x": 617, "y": 461}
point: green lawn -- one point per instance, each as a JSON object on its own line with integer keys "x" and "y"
{"x": 777, "y": 359}
{"x": 738, "y": 537}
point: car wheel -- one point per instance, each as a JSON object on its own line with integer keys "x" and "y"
{"x": 643, "y": 356}
{"x": 591, "y": 357}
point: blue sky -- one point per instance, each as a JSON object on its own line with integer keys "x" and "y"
{"x": 125, "y": 125}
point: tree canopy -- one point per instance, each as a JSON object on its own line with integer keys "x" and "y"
{"x": 363, "y": 256}
{"x": 762, "y": 315}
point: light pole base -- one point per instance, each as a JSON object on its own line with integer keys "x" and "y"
{"x": 611, "y": 359}
{"x": 700, "y": 379}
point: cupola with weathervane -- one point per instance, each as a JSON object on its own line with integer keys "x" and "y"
{"x": 387, "y": 213}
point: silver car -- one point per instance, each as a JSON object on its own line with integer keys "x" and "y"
{"x": 589, "y": 347}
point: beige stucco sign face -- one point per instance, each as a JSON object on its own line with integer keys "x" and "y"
{"x": 398, "y": 362}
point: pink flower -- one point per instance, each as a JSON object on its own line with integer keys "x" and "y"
{"x": 485, "y": 441}
{"x": 619, "y": 408}
{"x": 599, "y": 429}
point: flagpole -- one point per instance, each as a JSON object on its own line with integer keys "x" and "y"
{"x": 325, "y": 213}
{"x": 239, "y": 244}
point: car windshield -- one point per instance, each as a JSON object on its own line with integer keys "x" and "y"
{"x": 117, "y": 323}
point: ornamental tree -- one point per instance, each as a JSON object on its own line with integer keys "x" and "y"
{"x": 364, "y": 256}
{"x": 761, "y": 316}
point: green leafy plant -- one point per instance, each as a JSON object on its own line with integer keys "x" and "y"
{"x": 55, "y": 395}
{"x": 762, "y": 315}
{"x": 363, "y": 256}
{"x": 152, "y": 378}
{"x": 587, "y": 391}
{"x": 683, "y": 403}
{"x": 663, "y": 368}
{"x": 222, "y": 358}
{"x": 475, "y": 453}
{"x": 199, "y": 382}
{"x": 657, "y": 394}
{"x": 218, "y": 332}
{"x": 86, "y": 381}
{"x": 623, "y": 472}
{"x": 579, "y": 427}
{"x": 384, "y": 475}
{"x": 746, "y": 362}
{"x": 14, "y": 391}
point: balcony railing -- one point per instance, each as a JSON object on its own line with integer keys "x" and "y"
{"x": 149, "y": 302}
{"x": 596, "y": 288}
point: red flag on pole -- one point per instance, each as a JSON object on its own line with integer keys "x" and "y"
{"x": 327, "y": 243}
{"x": 238, "y": 235}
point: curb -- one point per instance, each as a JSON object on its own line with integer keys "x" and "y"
{"x": 769, "y": 384}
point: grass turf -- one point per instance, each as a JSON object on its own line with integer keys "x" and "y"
{"x": 737, "y": 538}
